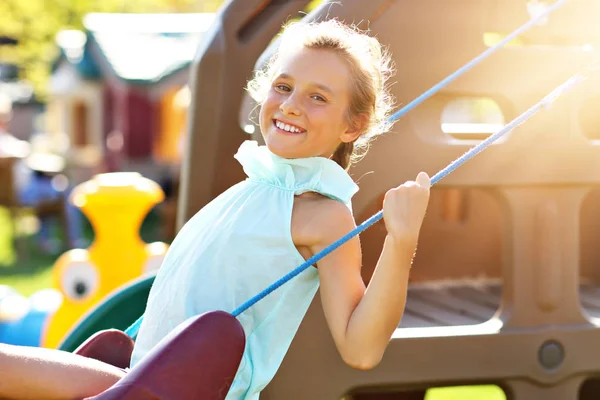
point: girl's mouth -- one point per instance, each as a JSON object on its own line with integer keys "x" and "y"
{"x": 287, "y": 128}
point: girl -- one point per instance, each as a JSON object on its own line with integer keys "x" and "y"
{"x": 319, "y": 97}
{"x": 322, "y": 97}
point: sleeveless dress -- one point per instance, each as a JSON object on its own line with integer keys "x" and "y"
{"x": 235, "y": 247}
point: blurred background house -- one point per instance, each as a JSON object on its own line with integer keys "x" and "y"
{"x": 119, "y": 88}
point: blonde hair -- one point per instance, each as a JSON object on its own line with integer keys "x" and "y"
{"x": 370, "y": 65}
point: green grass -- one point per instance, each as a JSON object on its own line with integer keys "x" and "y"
{"x": 483, "y": 392}
{"x": 28, "y": 284}
{"x": 26, "y": 276}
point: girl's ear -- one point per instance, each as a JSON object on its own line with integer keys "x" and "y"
{"x": 357, "y": 126}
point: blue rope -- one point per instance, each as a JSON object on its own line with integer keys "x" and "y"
{"x": 134, "y": 328}
{"x": 544, "y": 103}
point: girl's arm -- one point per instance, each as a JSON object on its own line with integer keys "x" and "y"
{"x": 39, "y": 373}
{"x": 362, "y": 320}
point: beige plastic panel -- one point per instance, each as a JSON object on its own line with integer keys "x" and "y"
{"x": 218, "y": 75}
{"x": 523, "y": 211}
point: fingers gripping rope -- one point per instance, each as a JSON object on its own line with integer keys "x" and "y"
{"x": 546, "y": 102}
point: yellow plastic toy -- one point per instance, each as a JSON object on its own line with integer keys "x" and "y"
{"x": 116, "y": 205}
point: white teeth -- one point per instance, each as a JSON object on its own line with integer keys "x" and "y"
{"x": 286, "y": 127}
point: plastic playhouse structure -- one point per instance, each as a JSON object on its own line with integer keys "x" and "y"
{"x": 116, "y": 205}
{"x": 523, "y": 214}
{"x": 505, "y": 285}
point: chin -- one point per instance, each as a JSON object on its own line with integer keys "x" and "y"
{"x": 281, "y": 150}
{"x": 282, "y": 146}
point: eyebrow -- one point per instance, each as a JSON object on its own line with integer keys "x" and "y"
{"x": 318, "y": 85}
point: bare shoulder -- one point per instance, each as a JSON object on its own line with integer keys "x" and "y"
{"x": 318, "y": 221}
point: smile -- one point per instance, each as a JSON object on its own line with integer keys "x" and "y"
{"x": 287, "y": 127}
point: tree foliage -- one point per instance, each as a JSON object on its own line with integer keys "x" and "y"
{"x": 35, "y": 23}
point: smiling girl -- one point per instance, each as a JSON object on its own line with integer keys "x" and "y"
{"x": 322, "y": 97}
{"x": 319, "y": 97}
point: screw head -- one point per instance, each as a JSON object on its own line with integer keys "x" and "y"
{"x": 551, "y": 354}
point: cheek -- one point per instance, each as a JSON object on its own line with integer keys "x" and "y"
{"x": 265, "y": 112}
{"x": 269, "y": 105}
{"x": 326, "y": 118}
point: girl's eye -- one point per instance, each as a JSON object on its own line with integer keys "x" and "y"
{"x": 283, "y": 88}
{"x": 318, "y": 98}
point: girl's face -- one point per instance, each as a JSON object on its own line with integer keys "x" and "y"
{"x": 305, "y": 111}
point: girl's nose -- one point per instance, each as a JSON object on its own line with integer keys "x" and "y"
{"x": 290, "y": 106}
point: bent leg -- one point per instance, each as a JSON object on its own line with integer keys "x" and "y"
{"x": 36, "y": 373}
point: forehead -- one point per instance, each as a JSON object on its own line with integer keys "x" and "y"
{"x": 317, "y": 67}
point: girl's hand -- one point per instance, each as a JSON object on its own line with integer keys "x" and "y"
{"x": 404, "y": 208}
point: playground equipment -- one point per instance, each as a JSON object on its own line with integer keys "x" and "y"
{"x": 22, "y": 319}
{"x": 216, "y": 338}
{"x": 522, "y": 215}
{"x": 116, "y": 205}
{"x": 528, "y": 325}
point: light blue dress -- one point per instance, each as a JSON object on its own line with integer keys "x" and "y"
{"x": 234, "y": 248}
